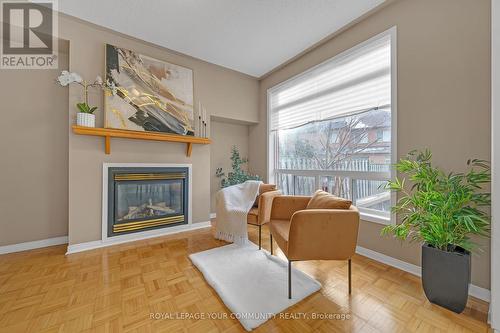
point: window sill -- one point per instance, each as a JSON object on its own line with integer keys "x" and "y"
{"x": 375, "y": 218}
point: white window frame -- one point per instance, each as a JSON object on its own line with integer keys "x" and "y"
{"x": 272, "y": 142}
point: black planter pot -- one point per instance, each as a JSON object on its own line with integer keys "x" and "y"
{"x": 446, "y": 277}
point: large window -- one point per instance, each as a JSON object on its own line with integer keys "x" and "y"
{"x": 331, "y": 128}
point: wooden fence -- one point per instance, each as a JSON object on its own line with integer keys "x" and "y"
{"x": 345, "y": 186}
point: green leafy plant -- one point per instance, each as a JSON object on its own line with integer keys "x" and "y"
{"x": 442, "y": 210}
{"x": 85, "y": 108}
{"x": 237, "y": 175}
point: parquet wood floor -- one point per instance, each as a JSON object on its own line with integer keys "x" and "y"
{"x": 116, "y": 289}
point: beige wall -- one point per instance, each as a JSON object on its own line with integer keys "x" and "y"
{"x": 223, "y": 92}
{"x": 34, "y": 150}
{"x": 225, "y": 136}
{"x": 443, "y": 94}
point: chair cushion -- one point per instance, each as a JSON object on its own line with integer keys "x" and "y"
{"x": 252, "y": 216}
{"x": 325, "y": 200}
{"x": 263, "y": 188}
{"x": 280, "y": 230}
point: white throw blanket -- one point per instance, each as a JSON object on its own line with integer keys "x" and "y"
{"x": 231, "y": 206}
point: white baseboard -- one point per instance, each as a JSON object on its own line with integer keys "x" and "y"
{"x": 402, "y": 265}
{"x": 481, "y": 293}
{"x": 120, "y": 240}
{"x": 475, "y": 291}
{"x": 33, "y": 245}
{"x": 213, "y": 215}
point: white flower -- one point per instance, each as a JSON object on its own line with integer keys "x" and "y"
{"x": 76, "y": 77}
{"x": 98, "y": 80}
{"x": 66, "y": 78}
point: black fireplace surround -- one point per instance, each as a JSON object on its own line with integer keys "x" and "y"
{"x": 146, "y": 198}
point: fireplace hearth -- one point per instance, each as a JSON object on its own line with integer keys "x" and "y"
{"x": 146, "y": 198}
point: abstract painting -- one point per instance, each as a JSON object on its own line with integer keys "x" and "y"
{"x": 151, "y": 95}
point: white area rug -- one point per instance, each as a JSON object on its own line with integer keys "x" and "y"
{"x": 252, "y": 283}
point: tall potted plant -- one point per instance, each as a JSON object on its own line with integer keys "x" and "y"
{"x": 442, "y": 210}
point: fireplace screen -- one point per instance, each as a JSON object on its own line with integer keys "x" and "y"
{"x": 138, "y": 201}
{"x": 141, "y": 200}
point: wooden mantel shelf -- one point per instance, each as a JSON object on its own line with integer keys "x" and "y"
{"x": 109, "y": 133}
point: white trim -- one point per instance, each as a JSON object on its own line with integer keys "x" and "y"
{"x": 478, "y": 292}
{"x": 213, "y": 215}
{"x": 475, "y": 291}
{"x": 137, "y": 236}
{"x": 269, "y": 150}
{"x": 374, "y": 218}
{"x": 33, "y": 245}
{"x": 495, "y": 166}
{"x": 342, "y": 173}
{"x": 270, "y": 140}
{"x": 385, "y": 259}
{"x": 394, "y": 115}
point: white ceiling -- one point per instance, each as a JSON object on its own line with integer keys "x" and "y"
{"x": 249, "y": 36}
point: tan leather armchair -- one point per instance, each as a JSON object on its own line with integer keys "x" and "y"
{"x": 260, "y": 214}
{"x": 313, "y": 234}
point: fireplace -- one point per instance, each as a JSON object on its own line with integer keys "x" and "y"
{"x": 146, "y": 198}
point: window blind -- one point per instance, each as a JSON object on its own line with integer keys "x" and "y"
{"x": 357, "y": 80}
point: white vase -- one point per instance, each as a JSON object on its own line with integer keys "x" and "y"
{"x": 85, "y": 119}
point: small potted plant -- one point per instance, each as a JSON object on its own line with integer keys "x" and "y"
{"x": 85, "y": 116}
{"x": 442, "y": 210}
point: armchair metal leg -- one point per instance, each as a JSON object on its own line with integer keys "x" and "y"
{"x": 349, "y": 268}
{"x": 289, "y": 279}
{"x": 260, "y": 236}
{"x": 271, "y": 237}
